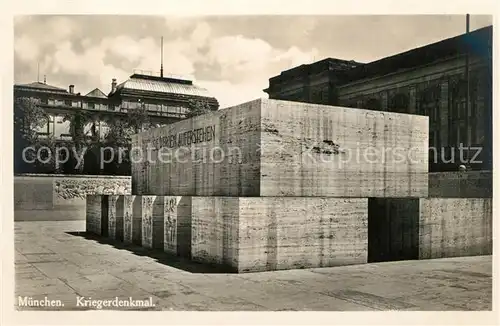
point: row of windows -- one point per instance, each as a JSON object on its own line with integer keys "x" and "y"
{"x": 60, "y": 129}
{"x": 152, "y": 107}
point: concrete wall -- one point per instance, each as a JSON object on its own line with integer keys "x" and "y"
{"x": 61, "y": 197}
{"x": 270, "y": 233}
{"x": 279, "y": 148}
{"x": 470, "y": 184}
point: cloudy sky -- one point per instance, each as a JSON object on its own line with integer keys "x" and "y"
{"x": 232, "y": 56}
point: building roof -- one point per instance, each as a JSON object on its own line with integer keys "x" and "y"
{"x": 96, "y": 93}
{"x": 478, "y": 42}
{"x": 42, "y": 87}
{"x": 319, "y": 66}
{"x": 163, "y": 85}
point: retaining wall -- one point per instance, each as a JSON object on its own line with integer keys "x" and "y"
{"x": 50, "y": 197}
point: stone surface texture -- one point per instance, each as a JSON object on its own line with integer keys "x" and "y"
{"x": 272, "y": 233}
{"x": 279, "y": 148}
{"x": 451, "y": 227}
{"x": 112, "y": 223}
{"x": 152, "y": 221}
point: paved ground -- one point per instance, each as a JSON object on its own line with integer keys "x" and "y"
{"x": 54, "y": 260}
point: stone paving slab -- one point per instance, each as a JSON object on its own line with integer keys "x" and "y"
{"x": 58, "y": 261}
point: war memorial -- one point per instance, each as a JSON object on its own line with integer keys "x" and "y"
{"x": 271, "y": 185}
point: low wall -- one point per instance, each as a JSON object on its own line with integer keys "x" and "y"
{"x": 250, "y": 234}
{"x": 61, "y": 197}
{"x": 470, "y": 184}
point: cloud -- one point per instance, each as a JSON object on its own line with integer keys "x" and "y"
{"x": 231, "y": 56}
{"x": 25, "y": 49}
{"x": 229, "y": 94}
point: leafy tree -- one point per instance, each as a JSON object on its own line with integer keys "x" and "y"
{"x": 82, "y": 142}
{"x": 29, "y": 117}
{"x": 198, "y": 107}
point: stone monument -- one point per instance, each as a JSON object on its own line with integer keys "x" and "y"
{"x": 270, "y": 185}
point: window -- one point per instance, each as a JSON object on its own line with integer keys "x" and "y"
{"x": 91, "y": 106}
{"x": 373, "y": 104}
{"x": 399, "y": 103}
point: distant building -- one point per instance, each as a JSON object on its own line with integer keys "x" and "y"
{"x": 430, "y": 80}
{"x": 166, "y": 99}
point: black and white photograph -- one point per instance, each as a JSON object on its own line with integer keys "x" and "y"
{"x": 263, "y": 163}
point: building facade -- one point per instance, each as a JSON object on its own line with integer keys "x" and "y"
{"x": 165, "y": 99}
{"x": 436, "y": 80}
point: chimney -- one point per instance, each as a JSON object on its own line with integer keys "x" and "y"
{"x": 71, "y": 89}
{"x": 113, "y": 85}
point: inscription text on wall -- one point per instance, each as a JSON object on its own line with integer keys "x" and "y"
{"x": 186, "y": 138}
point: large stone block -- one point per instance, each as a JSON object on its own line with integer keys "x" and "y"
{"x": 273, "y": 233}
{"x": 281, "y": 148}
{"x": 153, "y": 208}
{"x": 112, "y": 222}
{"x": 129, "y": 223}
{"x": 454, "y": 227}
{"x": 177, "y": 219}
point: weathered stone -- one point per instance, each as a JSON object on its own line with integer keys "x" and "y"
{"x": 128, "y": 220}
{"x": 454, "y": 227}
{"x": 177, "y": 219}
{"x": 152, "y": 221}
{"x": 272, "y": 233}
{"x": 112, "y": 201}
{"x": 279, "y": 148}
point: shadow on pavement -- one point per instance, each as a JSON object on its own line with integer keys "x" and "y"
{"x": 160, "y": 256}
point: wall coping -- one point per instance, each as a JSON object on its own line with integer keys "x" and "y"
{"x": 76, "y": 176}
{"x": 461, "y": 173}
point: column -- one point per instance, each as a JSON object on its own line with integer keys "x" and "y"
{"x": 384, "y": 100}
{"x": 412, "y": 107}
{"x": 443, "y": 114}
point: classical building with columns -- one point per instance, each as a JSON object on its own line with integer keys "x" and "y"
{"x": 434, "y": 80}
